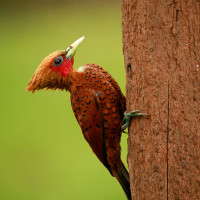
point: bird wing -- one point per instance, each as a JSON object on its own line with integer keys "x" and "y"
{"x": 87, "y": 110}
{"x": 111, "y": 80}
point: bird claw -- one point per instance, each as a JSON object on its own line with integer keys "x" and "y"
{"x": 127, "y": 118}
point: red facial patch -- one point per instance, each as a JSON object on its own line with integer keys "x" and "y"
{"x": 65, "y": 67}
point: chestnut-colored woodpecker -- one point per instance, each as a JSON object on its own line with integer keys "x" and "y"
{"x": 97, "y": 102}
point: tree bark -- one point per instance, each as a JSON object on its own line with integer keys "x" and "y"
{"x": 161, "y": 45}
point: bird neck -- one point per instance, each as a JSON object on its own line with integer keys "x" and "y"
{"x": 75, "y": 80}
{"x": 71, "y": 80}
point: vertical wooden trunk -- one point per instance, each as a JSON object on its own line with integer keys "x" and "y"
{"x": 161, "y": 45}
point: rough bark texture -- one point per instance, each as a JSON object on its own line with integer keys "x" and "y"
{"x": 161, "y": 44}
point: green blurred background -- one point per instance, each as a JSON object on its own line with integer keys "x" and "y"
{"x": 43, "y": 155}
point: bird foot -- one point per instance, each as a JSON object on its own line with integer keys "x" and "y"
{"x": 127, "y": 118}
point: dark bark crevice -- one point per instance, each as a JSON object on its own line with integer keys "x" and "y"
{"x": 168, "y": 145}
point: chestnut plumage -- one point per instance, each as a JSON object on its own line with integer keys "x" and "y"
{"x": 97, "y": 102}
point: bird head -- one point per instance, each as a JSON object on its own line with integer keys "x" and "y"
{"x": 55, "y": 70}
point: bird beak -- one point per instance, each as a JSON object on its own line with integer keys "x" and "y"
{"x": 70, "y": 51}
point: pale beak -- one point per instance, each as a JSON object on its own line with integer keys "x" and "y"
{"x": 70, "y": 51}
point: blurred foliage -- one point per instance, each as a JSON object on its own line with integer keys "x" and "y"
{"x": 42, "y": 151}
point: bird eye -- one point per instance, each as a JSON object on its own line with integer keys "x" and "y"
{"x": 58, "y": 61}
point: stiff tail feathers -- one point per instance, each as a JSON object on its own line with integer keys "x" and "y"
{"x": 122, "y": 176}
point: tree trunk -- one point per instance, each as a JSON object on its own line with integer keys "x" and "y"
{"x": 161, "y": 45}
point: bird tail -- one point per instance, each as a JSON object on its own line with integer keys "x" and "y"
{"x": 122, "y": 176}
